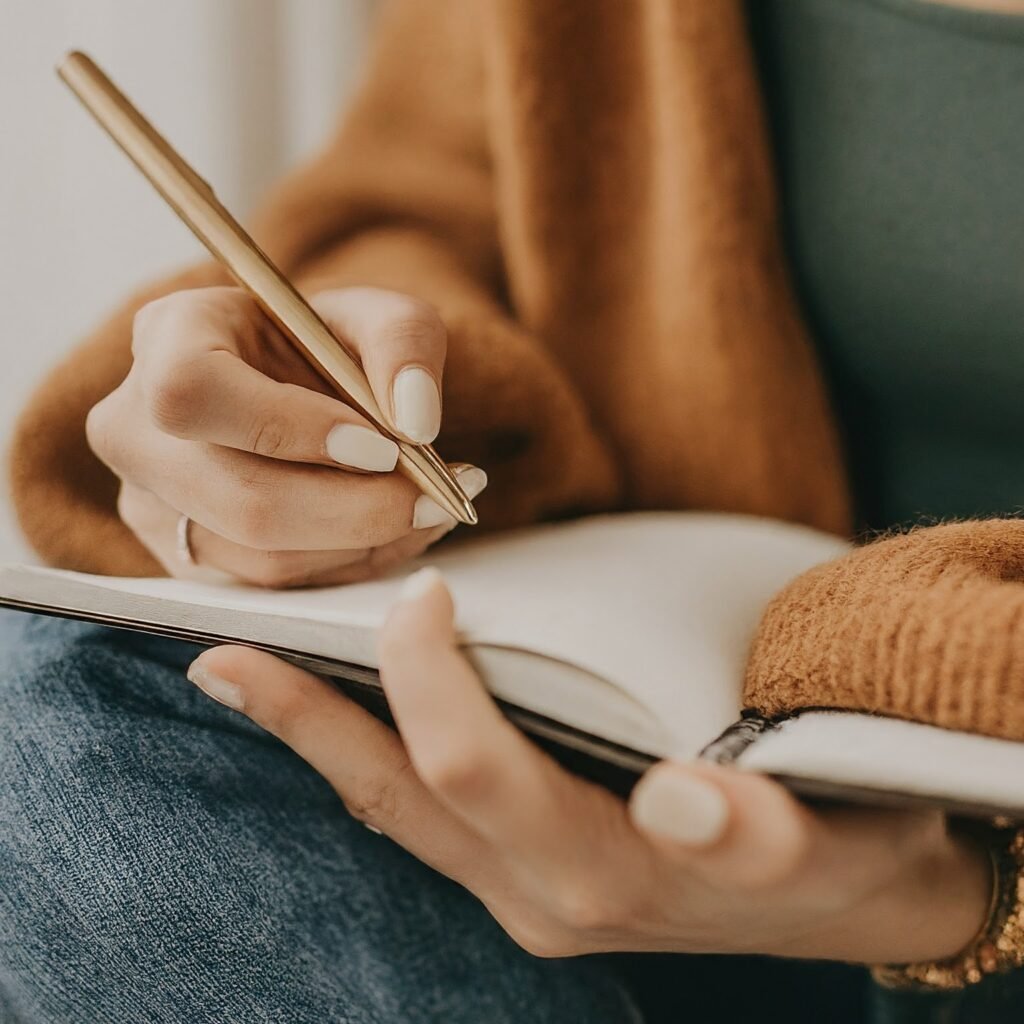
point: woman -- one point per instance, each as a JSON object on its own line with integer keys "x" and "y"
{"x": 567, "y": 213}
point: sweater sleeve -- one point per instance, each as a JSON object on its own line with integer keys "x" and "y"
{"x": 927, "y": 626}
{"x": 400, "y": 198}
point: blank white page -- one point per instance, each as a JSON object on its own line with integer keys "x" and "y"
{"x": 661, "y": 605}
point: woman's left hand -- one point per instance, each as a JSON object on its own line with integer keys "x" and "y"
{"x": 701, "y": 859}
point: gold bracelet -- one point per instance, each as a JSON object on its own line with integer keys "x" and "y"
{"x": 997, "y": 948}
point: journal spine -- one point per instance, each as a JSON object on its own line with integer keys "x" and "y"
{"x": 728, "y": 747}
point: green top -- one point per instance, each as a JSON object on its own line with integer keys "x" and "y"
{"x": 899, "y": 136}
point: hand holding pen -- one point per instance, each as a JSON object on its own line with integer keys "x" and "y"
{"x": 240, "y": 398}
{"x": 222, "y": 421}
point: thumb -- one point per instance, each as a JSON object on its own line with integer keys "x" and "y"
{"x": 401, "y": 343}
{"x": 734, "y": 828}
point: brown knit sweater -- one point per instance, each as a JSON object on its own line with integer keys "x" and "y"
{"x": 584, "y": 191}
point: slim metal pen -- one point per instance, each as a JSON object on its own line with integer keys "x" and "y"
{"x": 196, "y": 204}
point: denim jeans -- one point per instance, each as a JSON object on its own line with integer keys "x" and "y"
{"x": 163, "y": 859}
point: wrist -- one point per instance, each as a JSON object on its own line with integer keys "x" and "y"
{"x": 932, "y": 909}
{"x": 998, "y": 946}
{"x": 937, "y": 909}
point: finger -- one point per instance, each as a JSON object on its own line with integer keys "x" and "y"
{"x": 741, "y": 831}
{"x": 266, "y": 504}
{"x": 220, "y": 399}
{"x": 155, "y": 523}
{"x": 173, "y": 333}
{"x": 401, "y": 343}
{"x": 279, "y": 570}
{"x": 199, "y": 358}
{"x": 269, "y": 505}
{"x": 735, "y": 828}
{"x": 462, "y": 747}
{"x": 189, "y": 323}
{"x": 361, "y": 758}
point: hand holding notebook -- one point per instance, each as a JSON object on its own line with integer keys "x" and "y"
{"x": 613, "y": 642}
{"x": 704, "y": 858}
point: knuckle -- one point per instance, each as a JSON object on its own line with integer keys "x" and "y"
{"x": 151, "y": 320}
{"x": 172, "y": 397}
{"x": 375, "y": 528}
{"x": 464, "y": 774}
{"x": 97, "y": 426}
{"x": 377, "y": 802}
{"x": 542, "y": 939}
{"x": 148, "y": 316}
{"x": 373, "y": 804}
{"x": 104, "y": 430}
{"x": 290, "y": 715}
{"x": 268, "y": 437}
{"x": 549, "y": 947}
{"x": 254, "y": 520}
{"x": 584, "y": 908}
{"x": 416, "y": 323}
{"x": 128, "y": 508}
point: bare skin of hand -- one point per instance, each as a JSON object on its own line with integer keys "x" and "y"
{"x": 221, "y": 420}
{"x": 701, "y": 859}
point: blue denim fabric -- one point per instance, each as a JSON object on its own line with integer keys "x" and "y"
{"x": 163, "y": 859}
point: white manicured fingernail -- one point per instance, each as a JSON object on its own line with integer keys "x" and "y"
{"x": 214, "y": 686}
{"x": 416, "y": 585}
{"x": 426, "y": 514}
{"x": 680, "y": 807}
{"x": 361, "y": 448}
{"x": 472, "y": 479}
{"x": 417, "y": 404}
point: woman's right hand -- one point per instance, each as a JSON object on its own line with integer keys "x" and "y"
{"x": 222, "y": 421}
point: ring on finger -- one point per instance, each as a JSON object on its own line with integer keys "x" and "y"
{"x": 183, "y": 541}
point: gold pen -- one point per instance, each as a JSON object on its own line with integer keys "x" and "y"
{"x": 196, "y": 204}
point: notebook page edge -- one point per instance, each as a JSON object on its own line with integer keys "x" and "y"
{"x": 873, "y": 752}
{"x": 554, "y": 688}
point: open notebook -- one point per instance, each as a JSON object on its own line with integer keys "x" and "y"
{"x": 613, "y": 641}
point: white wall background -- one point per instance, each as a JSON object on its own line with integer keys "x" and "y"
{"x": 243, "y": 88}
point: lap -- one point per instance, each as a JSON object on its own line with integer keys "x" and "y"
{"x": 166, "y": 860}
{"x": 163, "y": 859}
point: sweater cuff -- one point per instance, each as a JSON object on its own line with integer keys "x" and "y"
{"x": 926, "y": 627}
